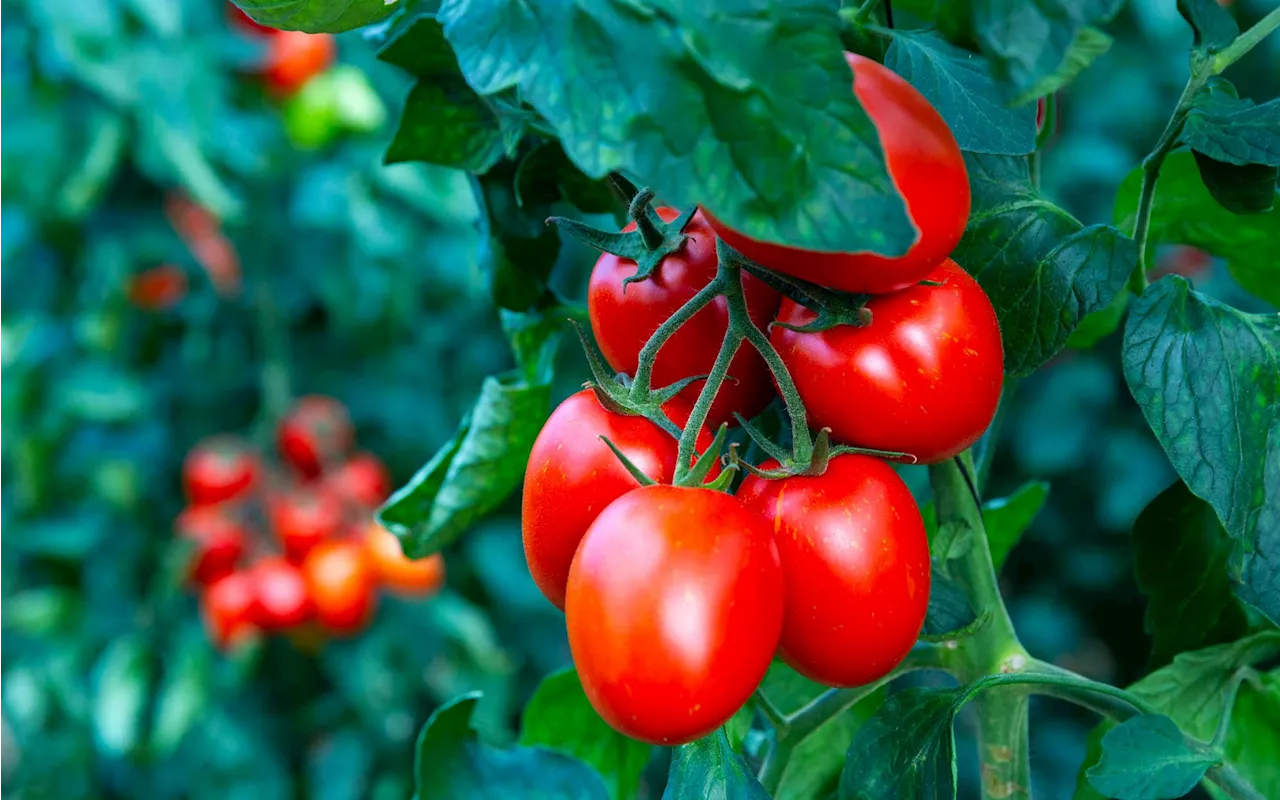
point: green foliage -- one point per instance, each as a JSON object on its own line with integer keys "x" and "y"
{"x": 1006, "y": 518}
{"x": 906, "y": 750}
{"x": 709, "y": 769}
{"x": 318, "y": 16}
{"x": 1148, "y": 757}
{"x": 1213, "y": 25}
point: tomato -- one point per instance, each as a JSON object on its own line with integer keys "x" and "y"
{"x": 295, "y": 58}
{"x": 363, "y": 480}
{"x": 220, "y": 541}
{"x": 245, "y": 22}
{"x": 228, "y": 609}
{"x": 341, "y": 585}
{"x": 282, "y": 600}
{"x": 572, "y": 475}
{"x": 218, "y": 469}
{"x": 397, "y": 572}
{"x": 158, "y": 288}
{"x": 925, "y": 164}
{"x": 315, "y": 433}
{"x": 674, "y": 610}
{"x": 623, "y": 317}
{"x": 855, "y": 560}
{"x": 304, "y": 518}
{"x": 923, "y": 378}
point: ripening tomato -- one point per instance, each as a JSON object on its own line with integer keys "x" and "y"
{"x": 227, "y": 607}
{"x": 925, "y": 164}
{"x": 855, "y": 560}
{"x": 218, "y": 469}
{"x": 316, "y": 432}
{"x": 158, "y": 288}
{"x": 363, "y": 480}
{"x": 674, "y": 610}
{"x": 923, "y": 378}
{"x": 304, "y": 518}
{"x": 623, "y": 317}
{"x": 295, "y": 57}
{"x": 572, "y": 475}
{"x": 396, "y": 571}
{"x": 281, "y": 597}
{"x": 341, "y": 585}
{"x": 220, "y": 541}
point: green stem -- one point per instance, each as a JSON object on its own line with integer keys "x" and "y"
{"x": 1245, "y": 42}
{"x": 1002, "y": 735}
{"x": 688, "y": 446}
{"x": 865, "y": 11}
{"x": 1228, "y": 705}
{"x": 1232, "y": 783}
{"x": 640, "y": 386}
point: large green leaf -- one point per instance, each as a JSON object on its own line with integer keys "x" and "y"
{"x": 451, "y": 762}
{"x": 1212, "y": 23}
{"x": 1042, "y": 269}
{"x": 1149, "y": 758}
{"x": 959, "y": 84}
{"x": 1233, "y": 129}
{"x": 747, "y": 110}
{"x": 559, "y": 717}
{"x": 1248, "y": 189}
{"x": 1207, "y": 378}
{"x": 318, "y": 16}
{"x": 1253, "y": 738}
{"x": 709, "y": 769}
{"x": 907, "y": 750}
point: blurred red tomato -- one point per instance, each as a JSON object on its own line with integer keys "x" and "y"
{"x": 304, "y": 518}
{"x": 363, "y": 480}
{"x": 228, "y": 609}
{"x": 218, "y": 469}
{"x": 342, "y": 586}
{"x": 315, "y": 433}
{"x": 220, "y": 541}
{"x": 158, "y": 288}
{"x": 281, "y": 599}
{"x": 397, "y": 572}
{"x": 296, "y": 58}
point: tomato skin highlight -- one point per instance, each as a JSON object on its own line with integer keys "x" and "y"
{"x": 928, "y": 170}
{"x": 219, "y": 469}
{"x": 227, "y": 607}
{"x": 624, "y": 316}
{"x": 341, "y": 586}
{"x": 674, "y": 610}
{"x": 396, "y": 571}
{"x": 303, "y": 519}
{"x": 855, "y": 559}
{"x": 220, "y": 541}
{"x": 281, "y": 599}
{"x": 316, "y": 432}
{"x": 923, "y": 378}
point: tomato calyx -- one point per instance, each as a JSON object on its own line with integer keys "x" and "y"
{"x": 651, "y": 241}
{"x": 820, "y": 455}
{"x": 831, "y": 307}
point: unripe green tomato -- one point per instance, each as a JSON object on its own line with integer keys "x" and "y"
{"x": 360, "y": 109}
{"x": 311, "y": 116}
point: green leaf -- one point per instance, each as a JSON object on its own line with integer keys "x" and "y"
{"x": 559, "y": 717}
{"x": 1250, "y": 189}
{"x": 1207, "y": 378}
{"x": 451, "y": 762}
{"x": 1253, "y": 737}
{"x": 318, "y": 16}
{"x": 949, "y": 609}
{"x": 122, "y": 686}
{"x": 518, "y": 249}
{"x": 1232, "y": 129}
{"x": 1100, "y": 324}
{"x": 1006, "y": 518}
{"x": 1042, "y": 269}
{"x": 474, "y": 471}
{"x": 906, "y": 750}
{"x": 183, "y": 696}
{"x": 745, "y": 110}
{"x": 959, "y": 84}
{"x": 709, "y": 769}
{"x": 546, "y": 175}
{"x": 1212, "y": 24}
{"x": 1148, "y": 758}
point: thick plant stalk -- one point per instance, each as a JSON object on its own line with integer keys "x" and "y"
{"x": 1003, "y": 754}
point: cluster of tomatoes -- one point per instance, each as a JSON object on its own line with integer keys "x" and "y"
{"x": 678, "y": 597}
{"x": 327, "y": 558}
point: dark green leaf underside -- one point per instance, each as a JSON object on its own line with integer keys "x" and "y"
{"x": 318, "y": 16}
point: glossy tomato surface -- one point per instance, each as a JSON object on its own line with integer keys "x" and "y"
{"x": 341, "y": 585}
{"x": 925, "y": 164}
{"x": 304, "y": 518}
{"x": 295, "y": 58}
{"x": 855, "y": 560}
{"x": 923, "y": 378}
{"x": 623, "y": 317}
{"x": 228, "y": 609}
{"x": 674, "y": 610}
{"x": 572, "y": 475}
{"x": 316, "y": 433}
{"x": 218, "y": 538}
{"x": 396, "y": 571}
{"x": 218, "y": 469}
{"x": 363, "y": 480}
{"x": 281, "y": 597}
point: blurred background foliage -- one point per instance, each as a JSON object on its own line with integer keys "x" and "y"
{"x": 332, "y": 273}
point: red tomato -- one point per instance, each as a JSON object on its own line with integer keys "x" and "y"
{"x": 674, "y": 610}
{"x": 925, "y": 164}
{"x": 855, "y": 559}
{"x": 282, "y": 601}
{"x": 623, "y": 317}
{"x": 220, "y": 541}
{"x": 363, "y": 480}
{"x": 315, "y": 433}
{"x": 572, "y": 475}
{"x": 395, "y": 571}
{"x": 304, "y": 519}
{"x": 245, "y": 22}
{"x": 228, "y": 609}
{"x": 341, "y": 586}
{"x": 296, "y": 58}
{"x": 923, "y": 378}
{"x": 158, "y": 288}
{"x": 218, "y": 469}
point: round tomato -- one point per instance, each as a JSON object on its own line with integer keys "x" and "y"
{"x": 304, "y": 519}
{"x": 923, "y": 378}
{"x": 281, "y": 597}
{"x": 363, "y": 480}
{"x": 624, "y": 316}
{"x": 228, "y": 609}
{"x": 316, "y": 432}
{"x": 855, "y": 561}
{"x": 341, "y": 585}
{"x": 294, "y": 58}
{"x": 674, "y": 610}
{"x": 220, "y": 541}
{"x": 397, "y": 572}
{"x": 219, "y": 469}
{"x": 572, "y": 475}
{"x": 925, "y": 164}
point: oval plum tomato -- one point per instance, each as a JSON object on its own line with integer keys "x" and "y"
{"x": 228, "y": 609}
{"x": 623, "y": 317}
{"x": 925, "y": 164}
{"x": 572, "y": 475}
{"x": 219, "y": 539}
{"x": 281, "y": 597}
{"x": 316, "y": 432}
{"x": 396, "y": 571}
{"x": 304, "y": 518}
{"x": 363, "y": 480}
{"x": 218, "y": 469}
{"x": 674, "y": 610}
{"x": 855, "y": 560}
{"x": 341, "y": 585}
{"x": 294, "y": 58}
{"x": 923, "y": 378}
